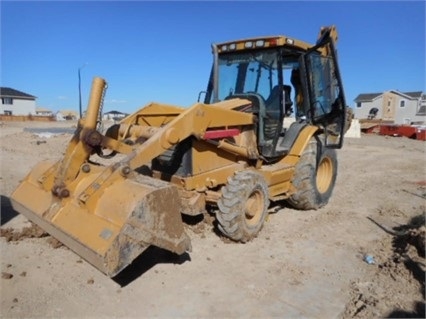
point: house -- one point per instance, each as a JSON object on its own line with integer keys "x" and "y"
{"x": 14, "y": 102}
{"x": 40, "y": 111}
{"x": 114, "y": 115}
{"x": 66, "y": 115}
{"x": 392, "y": 107}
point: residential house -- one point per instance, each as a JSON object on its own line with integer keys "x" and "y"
{"x": 392, "y": 107}
{"x": 40, "y": 111}
{"x": 14, "y": 102}
{"x": 114, "y": 115}
{"x": 67, "y": 115}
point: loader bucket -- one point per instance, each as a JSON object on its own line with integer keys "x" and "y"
{"x": 116, "y": 226}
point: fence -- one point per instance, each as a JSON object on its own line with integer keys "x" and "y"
{"x": 25, "y": 118}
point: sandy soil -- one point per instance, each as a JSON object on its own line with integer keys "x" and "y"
{"x": 303, "y": 264}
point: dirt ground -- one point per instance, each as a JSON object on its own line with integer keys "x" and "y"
{"x": 303, "y": 264}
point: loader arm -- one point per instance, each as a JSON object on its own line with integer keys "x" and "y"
{"x": 78, "y": 150}
{"x": 201, "y": 121}
{"x": 127, "y": 211}
{"x": 197, "y": 121}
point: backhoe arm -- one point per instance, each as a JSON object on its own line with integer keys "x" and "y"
{"x": 327, "y": 34}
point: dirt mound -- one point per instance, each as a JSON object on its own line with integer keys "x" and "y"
{"x": 32, "y": 231}
{"x": 401, "y": 259}
{"x": 303, "y": 264}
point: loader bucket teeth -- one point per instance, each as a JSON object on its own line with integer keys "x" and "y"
{"x": 116, "y": 227}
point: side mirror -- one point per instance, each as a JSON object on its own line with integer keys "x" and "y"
{"x": 200, "y": 94}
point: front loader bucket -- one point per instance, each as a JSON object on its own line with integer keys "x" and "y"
{"x": 115, "y": 226}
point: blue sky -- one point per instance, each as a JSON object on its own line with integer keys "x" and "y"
{"x": 161, "y": 51}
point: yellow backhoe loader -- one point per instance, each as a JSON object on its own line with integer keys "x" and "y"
{"x": 114, "y": 194}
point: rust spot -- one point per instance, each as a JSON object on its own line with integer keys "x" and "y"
{"x": 420, "y": 183}
{"x": 64, "y": 193}
{"x": 93, "y": 138}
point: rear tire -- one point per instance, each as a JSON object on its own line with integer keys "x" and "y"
{"x": 243, "y": 206}
{"x": 314, "y": 176}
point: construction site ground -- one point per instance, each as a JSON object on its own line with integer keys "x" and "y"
{"x": 303, "y": 264}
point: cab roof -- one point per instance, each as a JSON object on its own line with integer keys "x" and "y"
{"x": 262, "y": 42}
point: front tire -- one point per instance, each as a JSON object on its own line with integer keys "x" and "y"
{"x": 243, "y": 206}
{"x": 314, "y": 176}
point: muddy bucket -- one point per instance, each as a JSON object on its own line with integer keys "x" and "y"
{"x": 113, "y": 227}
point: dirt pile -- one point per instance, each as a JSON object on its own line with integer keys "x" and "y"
{"x": 398, "y": 271}
{"x": 307, "y": 264}
{"x": 32, "y": 231}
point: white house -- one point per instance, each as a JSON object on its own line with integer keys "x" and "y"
{"x": 114, "y": 115}
{"x": 392, "y": 106}
{"x": 66, "y": 115}
{"x": 43, "y": 111}
{"x": 14, "y": 102}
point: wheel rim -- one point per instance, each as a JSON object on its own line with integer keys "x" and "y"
{"x": 324, "y": 174}
{"x": 254, "y": 208}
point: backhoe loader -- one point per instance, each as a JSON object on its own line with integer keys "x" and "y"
{"x": 113, "y": 194}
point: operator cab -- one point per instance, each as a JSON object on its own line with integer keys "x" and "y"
{"x": 270, "y": 73}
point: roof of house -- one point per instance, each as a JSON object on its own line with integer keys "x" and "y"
{"x": 42, "y": 109}
{"x": 416, "y": 94}
{"x": 68, "y": 113}
{"x": 364, "y": 97}
{"x": 367, "y": 97}
{"x": 9, "y": 92}
{"x": 115, "y": 112}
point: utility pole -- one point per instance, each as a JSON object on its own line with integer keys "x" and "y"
{"x": 79, "y": 87}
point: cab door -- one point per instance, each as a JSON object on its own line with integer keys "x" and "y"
{"x": 327, "y": 105}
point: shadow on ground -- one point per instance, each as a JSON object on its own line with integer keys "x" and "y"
{"x": 147, "y": 260}
{"x": 7, "y": 211}
{"x": 418, "y": 313}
